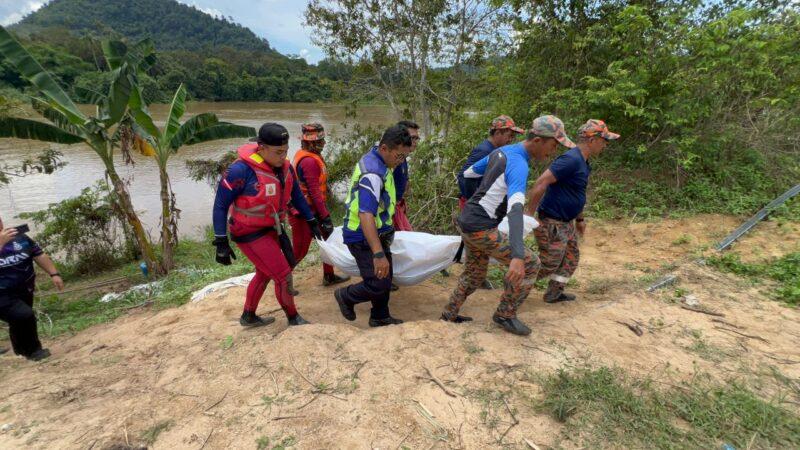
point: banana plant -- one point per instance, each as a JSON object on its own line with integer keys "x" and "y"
{"x": 69, "y": 125}
{"x": 162, "y": 144}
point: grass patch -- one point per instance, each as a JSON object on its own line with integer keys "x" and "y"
{"x": 151, "y": 434}
{"x": 603, "y": 406}
{"x": 77, "y": 311}
{"x": 785, "y": 271}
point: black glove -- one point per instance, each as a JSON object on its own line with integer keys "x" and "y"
{"x": 314, "y": 225}
{"x": 224, "y": 250}
{"x": 326, "y": 225}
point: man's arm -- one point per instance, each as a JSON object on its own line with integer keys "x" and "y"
{"x": 308, "y": 170}
{"x": 369, "y": 190}
{"x": 516, "y": 176}
{"x": 44, "y": 261}
{"x": 230, "y": 186}
{"x": 536, "y": 193}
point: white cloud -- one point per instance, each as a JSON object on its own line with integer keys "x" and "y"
{"x": 19, "y": 14}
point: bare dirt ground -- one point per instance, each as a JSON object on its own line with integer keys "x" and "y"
{"x": 194, "y": 373}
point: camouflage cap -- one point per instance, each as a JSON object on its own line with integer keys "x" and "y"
{"x": 312, "y": 132}
{"x": 551, "y": 126}
{"x": 595, "y": 127}
{"x": 505, "y": 123}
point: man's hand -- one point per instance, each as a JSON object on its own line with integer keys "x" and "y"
{"x": 326, "y": 225}
{"x": 224, "y": 250}
{"x": 580, "y": 226}
{"x": 58, "y": 282}
{"x": 7, "y": 235}
{"x": 381, "y": 267}
{"x": 314, "y": 225}
{"x": 516, "y": 271}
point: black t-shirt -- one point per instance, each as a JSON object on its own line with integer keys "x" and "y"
{"x": 16, "y": 262}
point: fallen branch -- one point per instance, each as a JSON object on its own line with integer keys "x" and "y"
{"x": 308, "y": 402}
{"x": 286, "y": 417}
{"x": 207, "y": 438}
{"x": 406, "y": 437}
{"x": 25, "y": 390}
{"x": 217, "y": 402}
{"x": 439, "y": 383}
{"x": 727, "y": 323}
{"x": 538, "y": 348}
{"x": 531, "y": 444}
{"x": 291, "y": 361}
{"x": 516, "y": 421}
{"x": 781, "y": 360}
{"x": 633, "y": 327}
{"x": 702, "y": 311}
{"x": 750, "y": 336}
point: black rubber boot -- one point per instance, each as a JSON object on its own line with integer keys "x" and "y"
{"x": 457, "y": 319}
{"x": 562, "y": 297}
{"x": 384, "y": 322}
{"x": 297, "y": 320}
{"x": 39, "y": 355}
{"x": 251, "y": 320}
{"x": 331, "y": 279}
{"x": 512, "y": 325}
{"x": 345, "y": 307}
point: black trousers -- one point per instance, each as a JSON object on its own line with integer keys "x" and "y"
{"x": 16, "y": 308}
{"x": 371, "y": 288}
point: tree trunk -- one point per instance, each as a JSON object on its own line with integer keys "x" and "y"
{"x": 123, "y": 198}
{"x": 167, "y": 237}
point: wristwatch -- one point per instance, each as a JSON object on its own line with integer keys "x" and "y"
{"x": 378, "y": 255}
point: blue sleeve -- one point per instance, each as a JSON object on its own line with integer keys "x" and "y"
{"x": 299, "y": 201}
{"x": 564, "y": 166}
{"x": 230, "y": 186}
{"x": 479, "y": 168}
{"x": 369, "y": 191}
{"x": 401, "y": 179}
{"x": 516, "y": 179}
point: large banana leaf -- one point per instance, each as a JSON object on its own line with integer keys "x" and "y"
{"x": 35, "y": 73}
{"x": 139, "y": 112}
{"x": 115, "y": 53}
{"x": 12, "y": 127}
{"x": 56, "y": 117}
{"x": 176, "y": 110}
{"x": 93, "y": 97}
{"x": 222, "y": 130}
{"x": 142, "y": 55}
{"x": 192, "y": 126}
{"x": 118, "y": 95}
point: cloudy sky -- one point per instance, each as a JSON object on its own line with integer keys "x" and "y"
{"x": 280, "y": 21}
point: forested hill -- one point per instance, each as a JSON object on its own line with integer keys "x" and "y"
{"x": 216, "y": 59}
{"x": 172, "y": 25}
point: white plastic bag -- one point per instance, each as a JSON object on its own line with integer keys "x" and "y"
{"x": 528, "y": 225}
{"x": 241, "y": 280}
{"x": 415, "y": 256}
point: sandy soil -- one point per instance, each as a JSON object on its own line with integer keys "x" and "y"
{"x": 335, "y": 384}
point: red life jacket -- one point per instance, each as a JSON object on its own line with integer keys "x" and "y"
{"x": 250, "y": 213}
{"x": 323, "y": 173}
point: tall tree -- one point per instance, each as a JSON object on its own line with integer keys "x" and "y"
{"x": 401, "y": 45}
{"x": 69, "y": 125}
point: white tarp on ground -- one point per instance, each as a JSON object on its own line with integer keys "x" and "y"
{"x": 241, "y": 280}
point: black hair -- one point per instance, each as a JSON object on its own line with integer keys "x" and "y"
{"x": 409, "y": 124}
{"x": 532, "y": 135}
{"x": 395, "y": 136}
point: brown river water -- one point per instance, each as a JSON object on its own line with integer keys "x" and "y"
{"x": 194, "y": 199}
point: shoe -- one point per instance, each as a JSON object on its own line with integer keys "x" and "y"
{"x": 512, "y": 325}
{"x": 444, "y": 273}
{"x": 3, "y": 351}
{"x": 486, "y": 285}
{"x": 251, "y": 320}
{"x": 384, "y": 322}
{"x": 39, "y": 355}
{"x": 331, "y": 279}
{"x": 297, "y": 320}
{"x": 562, "y": 297}
{"x": 344, "y": 307}
{"x": 394, "y": 287}
{"x": 458, "y": 318}
{"x": 294, "y": 292}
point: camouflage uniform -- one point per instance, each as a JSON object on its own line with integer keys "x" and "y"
{"x": 559, "y": 253}
{"x": 482, "y": 245}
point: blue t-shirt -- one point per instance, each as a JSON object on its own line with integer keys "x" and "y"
{"x": 468, "y": 187}
{"x": 16, "y": 262}
{"x": 565, "y": 198}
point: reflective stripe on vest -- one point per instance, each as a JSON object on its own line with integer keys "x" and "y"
{"x": 352, "y": 221}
